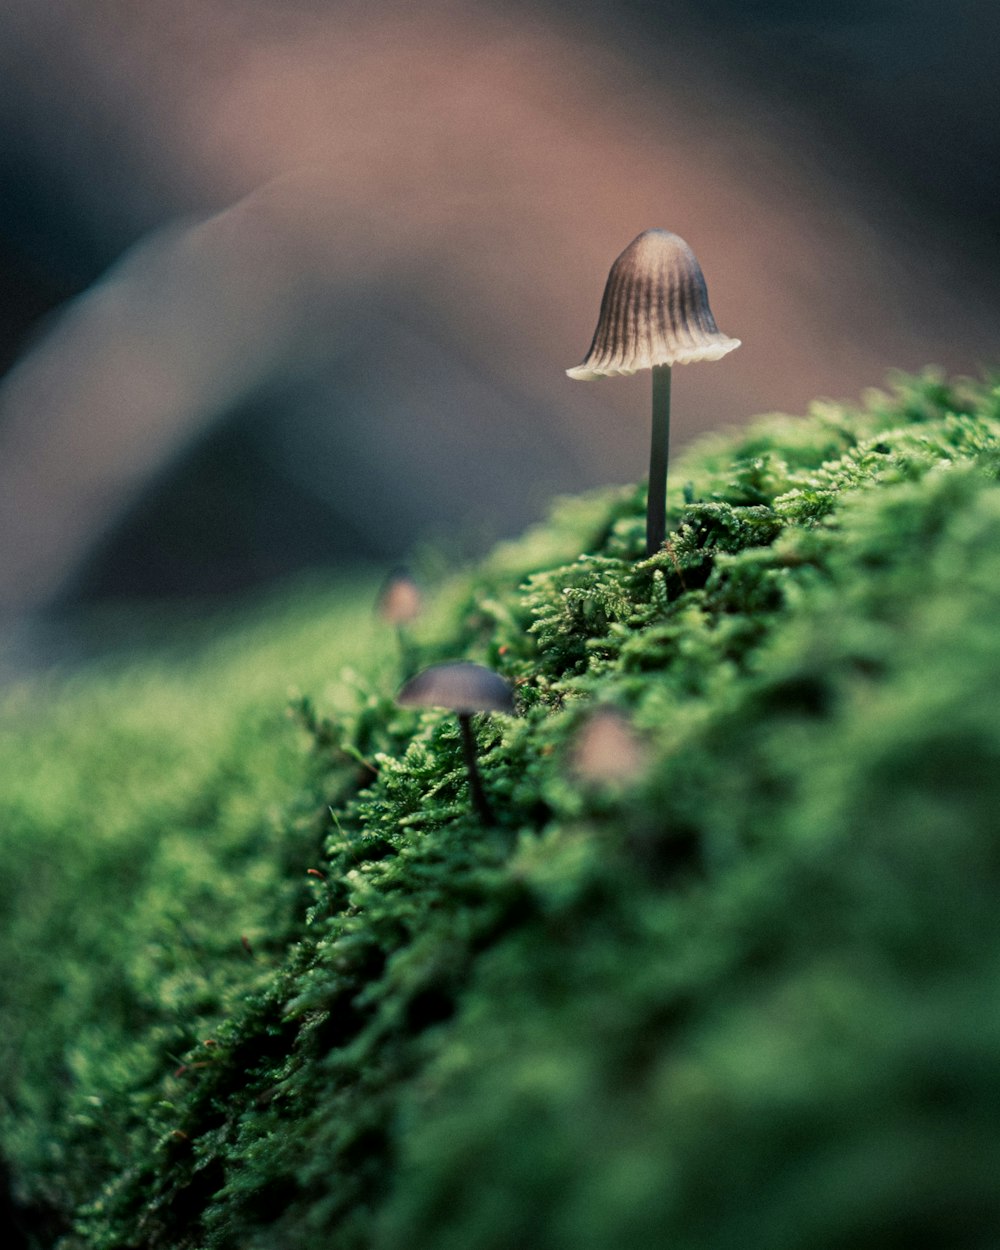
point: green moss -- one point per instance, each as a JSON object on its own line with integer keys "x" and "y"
{"x": 746, "y": 1002}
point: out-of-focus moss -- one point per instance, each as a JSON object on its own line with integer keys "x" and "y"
{"x": 747, "y": 1001}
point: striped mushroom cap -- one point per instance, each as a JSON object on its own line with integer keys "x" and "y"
{"x": 462, "y": 687}
{"x": 654, "y": 312}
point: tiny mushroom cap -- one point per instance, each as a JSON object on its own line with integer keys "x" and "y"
{"x": 400, "y": 601}
{"x": 462, "y": 687}
{"x": 654, "y": 312}
{"x": 607, "y": 750}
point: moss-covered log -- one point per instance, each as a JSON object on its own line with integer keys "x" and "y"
{"x": 269, "y": 983}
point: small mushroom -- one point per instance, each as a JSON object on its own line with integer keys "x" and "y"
{"x": 654, "y": 314}
{"x": 607, "y": 751}
{"x": 464, "y": 689}
{"x": 400, "y": 602}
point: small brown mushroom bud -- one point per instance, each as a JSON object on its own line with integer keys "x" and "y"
{"x": 400, "y": 602}
{"x": 607, "y": 750}
{"x": 464, "y": 689}
{"x": 654, "y": 315}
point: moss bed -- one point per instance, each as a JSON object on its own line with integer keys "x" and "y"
{"x": 268, "y": 985}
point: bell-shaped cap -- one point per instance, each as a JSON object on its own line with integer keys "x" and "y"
{"x": 654, "y": 311}
{"x": 462, "y": 687}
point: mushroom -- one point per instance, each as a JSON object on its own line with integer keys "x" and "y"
{"x": 400, "y": 602}
{"x": 607, "y": 751}
{"x": 464, "y": 689}
{"x": 654, "y": 314}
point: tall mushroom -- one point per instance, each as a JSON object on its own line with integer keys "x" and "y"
{"x": 654, "y": 315}
{"x": 464, "y": 689}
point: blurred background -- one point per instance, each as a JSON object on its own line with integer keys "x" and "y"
{"x": 292, "y": 284}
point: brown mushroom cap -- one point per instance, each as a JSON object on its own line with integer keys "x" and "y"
{"x": 654, "y": 312}
{"x": 462, "y": 687}
{"x": 400, "y": 601}
{"x": 607, "y": 750}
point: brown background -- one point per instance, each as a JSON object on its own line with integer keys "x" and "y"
{"x": 287, "y": 284}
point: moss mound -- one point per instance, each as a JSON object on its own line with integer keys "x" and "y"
{"x": 274, "y": 987}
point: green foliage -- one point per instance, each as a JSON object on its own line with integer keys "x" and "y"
{"x": 745, "y": 1001}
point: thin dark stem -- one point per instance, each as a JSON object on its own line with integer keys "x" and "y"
{"x": 482, "y": 807}
{"x": 659, "y": 452}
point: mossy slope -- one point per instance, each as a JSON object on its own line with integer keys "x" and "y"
{"x": 749, "y": 1002}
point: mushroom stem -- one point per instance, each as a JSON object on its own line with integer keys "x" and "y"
{"x": 479, "y": 802}
{"x": 659, "y": 452}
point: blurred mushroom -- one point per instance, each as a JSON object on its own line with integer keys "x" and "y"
{"x": 464, "y": 689}
{"x": 654, "y": 314}
{"x": 400, "y": 602}
{"x": 607, "y": 750}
